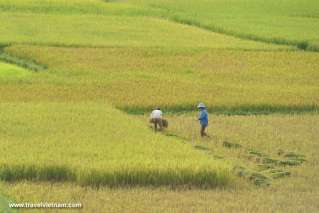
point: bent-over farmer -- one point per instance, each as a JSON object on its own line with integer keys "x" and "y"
{"x": 203, "y": 119}
{"x": 156, "y": 118}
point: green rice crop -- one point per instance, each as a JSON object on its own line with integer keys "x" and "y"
{"x": 86, "y": 30}
{"x": 283, "y": 22}
{"x": 77, "y": 7}
{"x": 12, "y": 72}
{"x": 94, "y": 144}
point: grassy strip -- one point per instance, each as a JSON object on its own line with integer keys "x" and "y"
{"x": 22, "y": 62}
{"x": 229, "y": 110}
{"x": 202, "y": 178}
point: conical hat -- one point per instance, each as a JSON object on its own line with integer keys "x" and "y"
{"x": 201, "y": 105}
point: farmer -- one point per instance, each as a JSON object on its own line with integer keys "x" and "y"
{"x": 203, "y": 119}
{"x": 156, "y": 118}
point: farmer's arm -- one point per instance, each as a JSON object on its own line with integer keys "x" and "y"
{"x": 201, "y": 116}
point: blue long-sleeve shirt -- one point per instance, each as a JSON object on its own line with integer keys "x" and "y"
{"x": 203, "y": 117}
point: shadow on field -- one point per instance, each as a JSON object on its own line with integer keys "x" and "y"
{"x": 21, "y": 62}
{"x": 201, "y": 178}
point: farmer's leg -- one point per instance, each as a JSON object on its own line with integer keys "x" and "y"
{"x": 155, "y": 124}
{"x": 160, "y": 123}
{"x": 153, "y": 121}
{"x": 202, "y": 131}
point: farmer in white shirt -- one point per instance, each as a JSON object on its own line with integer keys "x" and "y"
{"x": 156, "y": 118}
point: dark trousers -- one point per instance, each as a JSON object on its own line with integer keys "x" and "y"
{"x": 202, "y": 130}
{"x": 157, "y": 122}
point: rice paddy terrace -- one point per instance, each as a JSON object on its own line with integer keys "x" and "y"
{"x": 78, "y": 79}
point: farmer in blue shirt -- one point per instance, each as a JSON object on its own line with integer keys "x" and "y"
{"x": 203, "y": 119}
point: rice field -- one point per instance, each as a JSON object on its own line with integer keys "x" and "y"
{"x": 228, "y": 80}
{"x": 96, "y": 145}
{"x": 79, "y": 78}
{"x": 285, "y": 22}
{"x": 297, "y": 192}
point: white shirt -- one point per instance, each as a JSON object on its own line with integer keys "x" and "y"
{"x": 156, "y": 114}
